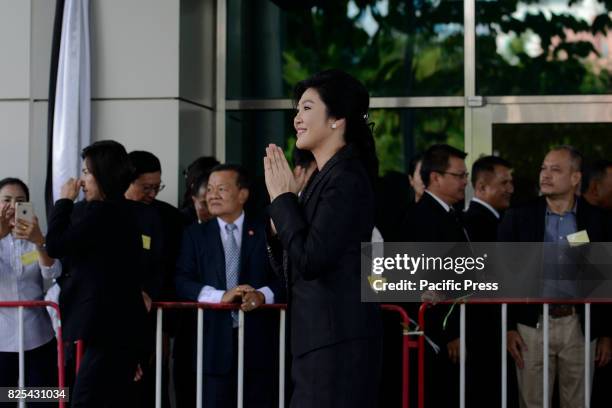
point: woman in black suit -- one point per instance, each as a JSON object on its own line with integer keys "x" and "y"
{"x": 335, "y": 338}
{"x": 101, "y": 300}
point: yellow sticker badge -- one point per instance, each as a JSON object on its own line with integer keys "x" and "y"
{"x": 578, "y": 238}
{"x": 29, "y": 258}
{"x": 146, "y": 242}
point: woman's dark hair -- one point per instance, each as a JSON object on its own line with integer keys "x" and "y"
{"x": 10, "y": 181}
{"x": 110, "y": 164}
{"x": 199, "y": 169}
{"x": 346, "y": 98}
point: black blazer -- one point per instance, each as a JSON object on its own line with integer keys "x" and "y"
{"x": 483, "y": 320}
{"x": 149, "y": 225}
{"x": 428, "y": 221}
{"x": 322, "y": 234}
{"x": 202, "y": 262}
{"x": 480, "y": 223}
{"x": 172, "y": 226}
{"x": 100, "y": 294}
{"x": 527, "y": 223}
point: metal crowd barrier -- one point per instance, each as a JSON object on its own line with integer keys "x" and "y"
{"x": 21, "y": 305}
{"x": 200, "y": 352}
{"x": 504, "y": 355}
{"x": 406, "y": 345}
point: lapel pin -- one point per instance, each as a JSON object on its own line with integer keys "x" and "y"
{"x": 251, "y": 233}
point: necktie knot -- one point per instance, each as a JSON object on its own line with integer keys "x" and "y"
{"x": 230, "y": 228}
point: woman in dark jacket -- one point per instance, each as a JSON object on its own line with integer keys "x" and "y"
{"x": 101, "y": 300}
{"x": 335, "y": 338}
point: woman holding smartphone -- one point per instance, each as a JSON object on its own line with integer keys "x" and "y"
{"x": 24, "y": 263}
{"x": 100, "y": 299}
{"x": 335, "y": 338}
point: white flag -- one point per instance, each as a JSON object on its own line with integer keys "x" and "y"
{"x": 72, "y": 116}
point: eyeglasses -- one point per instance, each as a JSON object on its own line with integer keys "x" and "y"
{"x": 463, "y": 176}
{"x": 148, "y": 188}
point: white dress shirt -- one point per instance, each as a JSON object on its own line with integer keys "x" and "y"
{"x": 439, "y": 200}
{"x": 19, "y": 282}
{"x": 211, "y": 294}
{"x": 487, "y": 206}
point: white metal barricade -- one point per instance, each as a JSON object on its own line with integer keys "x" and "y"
{"x": 546, "y": 362}
{"x": 200, "y": 351}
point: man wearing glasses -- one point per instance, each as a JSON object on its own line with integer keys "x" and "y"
{"x": 162, "y": 245}
{"x": 435, "y": 219}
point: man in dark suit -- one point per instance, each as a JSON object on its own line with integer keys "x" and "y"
{"x": 225, "y": 261}
{"x": 553, "y": 218}
{"x": 493, "y": 188}
{"x": 162, "y": 226}
{"x": 597, "y": 190}
{"x": 434, "y": 219}
{"x": 144, "y": 188}
{"x": 597, "y": 184}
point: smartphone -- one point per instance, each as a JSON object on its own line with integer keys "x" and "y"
{"x": 24, "y": 211}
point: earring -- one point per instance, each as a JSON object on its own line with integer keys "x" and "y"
{"x": 334, "y": 125}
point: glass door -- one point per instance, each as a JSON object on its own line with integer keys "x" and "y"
{"x": 522, "y": 131}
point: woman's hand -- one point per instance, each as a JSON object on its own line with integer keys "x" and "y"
{"x": 70, "y": 189}
{"x": 278, "y": 174}
{"x": 30, "y": 231}
{"x": 6, "y": 215}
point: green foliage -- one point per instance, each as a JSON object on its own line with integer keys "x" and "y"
{"x": 416, "y": 49}
{"x": 567, "y": 42}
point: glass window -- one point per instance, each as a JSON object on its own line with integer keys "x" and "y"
{"x": 396, "y": 47}
{"x": 543, "y": 47}
{"x": 525, "y": 146}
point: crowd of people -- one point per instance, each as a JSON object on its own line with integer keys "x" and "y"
{"x": 119, "y": 249}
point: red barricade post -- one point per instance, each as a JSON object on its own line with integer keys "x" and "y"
{"x": 407, "y": 344}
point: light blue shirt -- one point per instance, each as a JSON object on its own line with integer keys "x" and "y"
{"x": 559, "y": 270}
{"x": 19, "y": 282}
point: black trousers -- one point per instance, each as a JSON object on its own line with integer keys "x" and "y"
{"x": 106, "y": 376}
{"x": 40, "y": 370}
{"x": 342, "y": 375}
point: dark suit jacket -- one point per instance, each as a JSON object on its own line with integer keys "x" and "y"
{"x": 322, "y": 234}
{"x": 172, "y": 226}
{"x": 430, "y": 222}
{"x": 202, "y": 262}
{"x": 149, "y": 225}
{"x": 100, "y": 294}
{"x": 483, "y": 320}
{"x": 527, "y": 224}
{"x": 480, "y": 223}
